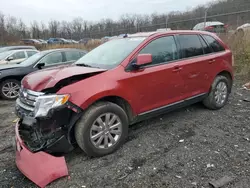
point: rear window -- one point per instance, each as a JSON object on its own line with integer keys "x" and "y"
{"x": 213, "y": 43}
{"x": 216, "y": 29}
{"x": 31, "y": 53}
{"x": 206, "y": 48}
{"x": 72, "y": 55}
{"x": 190, "y": 46}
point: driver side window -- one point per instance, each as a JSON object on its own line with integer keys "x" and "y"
{"x": 51, "y": 59}
{"x": 163, "y": 50}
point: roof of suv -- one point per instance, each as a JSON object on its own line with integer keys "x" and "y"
{"x": 63, "y": 49}
{"x": 148, "y": 34}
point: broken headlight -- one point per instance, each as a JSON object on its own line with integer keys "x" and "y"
{"x": 45, "y": 103}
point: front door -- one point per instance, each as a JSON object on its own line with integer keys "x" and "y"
{"x": 159, "y": 83}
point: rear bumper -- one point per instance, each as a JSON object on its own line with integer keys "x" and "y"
{"x": 40, "y": 167}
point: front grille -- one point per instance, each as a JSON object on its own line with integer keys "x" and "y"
{"x": 27, "y": 99}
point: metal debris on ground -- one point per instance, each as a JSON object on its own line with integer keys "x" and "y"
{"x": 210, "y": 165}
{"x": 221, "y": 182}
{"x": 246, "y": 100}
{"x": 247, "y": 86}
{"x": 15, "y": 120}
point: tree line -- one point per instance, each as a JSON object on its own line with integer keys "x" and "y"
{"x": 232, "y": 12}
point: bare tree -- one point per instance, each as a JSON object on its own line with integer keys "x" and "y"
{"x": 54, "y": 28}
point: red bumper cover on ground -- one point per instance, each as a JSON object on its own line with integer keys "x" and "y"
{"x": 40, "y": 167}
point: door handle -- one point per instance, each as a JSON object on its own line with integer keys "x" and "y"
{"x": 177, "y": 69}
{"x": 211, "y": 61}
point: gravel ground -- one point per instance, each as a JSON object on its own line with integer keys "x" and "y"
{"x": 186, "y": 148}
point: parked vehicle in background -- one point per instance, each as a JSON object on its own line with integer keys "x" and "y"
{"x": 8, "y": 48}
{"x": 55, "y": 41}
{"x": 30, "y": 42}
{"x": 65, "y": 41}
{"x": 84, "y": 41}
{"x": 42, "y": 41}
{"x": 214, "y": 27}
{"x": 243, "y": 30}
{"x": 16, "y": 56}
{"x": 11, "y": 75}
{"x": 105, "y": 39}
{"x": 73, "y": 41}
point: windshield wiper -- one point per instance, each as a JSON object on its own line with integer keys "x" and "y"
{"x": 86, "y": 65}
{"x": 83, "y": 65}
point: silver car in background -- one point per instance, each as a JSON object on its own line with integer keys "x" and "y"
{"x": 16, "y": 56}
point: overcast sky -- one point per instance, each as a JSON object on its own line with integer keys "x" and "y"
{"x": 92, "y": 10}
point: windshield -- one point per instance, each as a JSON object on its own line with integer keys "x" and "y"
{"x": 110, "y": 54}
{"x": 33, "y": 59}
{"x": 3, "y": 55}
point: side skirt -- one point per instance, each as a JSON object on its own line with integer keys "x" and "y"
{"x": 169, "y": 108}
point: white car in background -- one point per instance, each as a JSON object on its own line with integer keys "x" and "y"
{"x": 16, "y": 56}
{"x": 243, "y": 30}
{"x": 214, "y": 27}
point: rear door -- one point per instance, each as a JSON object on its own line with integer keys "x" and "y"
{"x": 194, "y": 64}
{"x": 31, "y": 53}
{"x": 217, "y": 58}
{"x": 159, "y": 83}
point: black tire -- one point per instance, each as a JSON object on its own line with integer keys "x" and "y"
{"x": 210, "y": 101}
{"x": 3, "y": 96}
{"x": 83, "y": 128}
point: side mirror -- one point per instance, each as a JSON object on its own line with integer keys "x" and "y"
{"x": 144, "y": 59}
{"x": 10, "y": 58}
{"x": 40, "y": 65}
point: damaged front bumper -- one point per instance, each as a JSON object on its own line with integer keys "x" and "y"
{"x": 40, "y": 167}
{"x": 40, "y": 140}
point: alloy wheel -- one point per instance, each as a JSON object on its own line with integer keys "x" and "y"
{"x": 106, "y": 131}
{"x": 221, "y": 93}
{"x": 11, "y": 90}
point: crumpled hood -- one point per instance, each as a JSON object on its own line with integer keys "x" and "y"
{"x": 48, "y": 78}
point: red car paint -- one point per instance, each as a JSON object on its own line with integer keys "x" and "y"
{"x": 144, "y": 89}
{"x": 41, "y": 168}
{"x": 131, "y": 85}
{"x": 47, "y": 78}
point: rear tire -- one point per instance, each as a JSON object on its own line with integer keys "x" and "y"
{"x": 219, "y": 93}
{"x": 94, "y": 129}
{"x": 13, "y": 86}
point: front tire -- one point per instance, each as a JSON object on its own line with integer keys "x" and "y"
{"x": 219, "y": 93}
{"x": 9, "y": 89}
{"x": 102, "y": 129}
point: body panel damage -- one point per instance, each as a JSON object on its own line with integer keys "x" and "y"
{"x": 40, "y": 167}
{"x": 48, "y": 78}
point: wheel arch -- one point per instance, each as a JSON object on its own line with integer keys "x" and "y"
{"x": 123, "y": 103}
{"x": 19, "y": 78}
{"x": 228, "y": 75}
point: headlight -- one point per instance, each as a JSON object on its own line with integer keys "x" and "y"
{"x": 47, "y": 102}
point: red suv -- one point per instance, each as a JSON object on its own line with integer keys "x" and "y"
{"x": 126, "y": 80}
